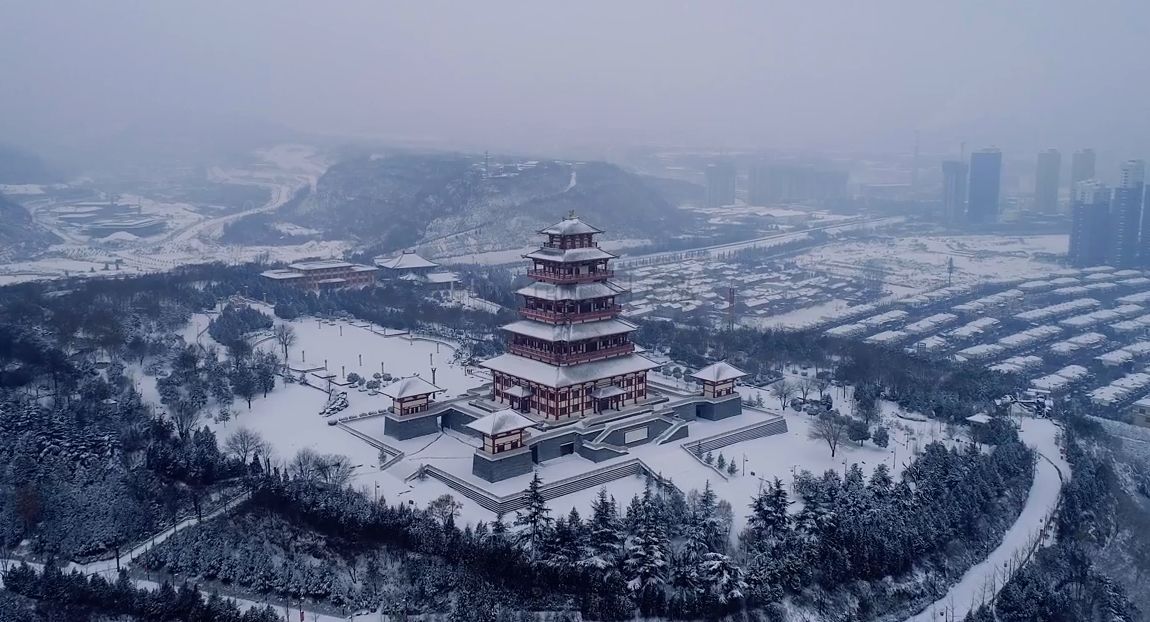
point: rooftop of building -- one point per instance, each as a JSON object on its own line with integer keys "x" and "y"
{"x": 569, "y": 332}
{"x": 566, "y": 375}
{"x": 570, "y": 226}
{"x": 281, "y": 274}
{"x": 572, "y": 291}
{"x": 506, "y": 420}
{"x": 719, "y": 372}
{"x": 409, "y": 387}
{"x": 551, "y": 253}
{"x": 320, "y": 264}
{"x": 407, "y": 260}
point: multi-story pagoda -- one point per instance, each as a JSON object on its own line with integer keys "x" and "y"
{"x": 570, "y": 355}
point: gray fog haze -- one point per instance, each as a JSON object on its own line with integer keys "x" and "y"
{"x": 826, "y": 75}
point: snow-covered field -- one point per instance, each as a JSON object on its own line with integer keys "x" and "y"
{"x": 919, "y": 263}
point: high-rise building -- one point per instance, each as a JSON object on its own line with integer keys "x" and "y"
{"x": 985, "y": 186}
{"x": 953, "y": 192}
{"x": 1090, "y": 223}
{"x": 1081, "y": 167}
{"x": 1046, "y": 181}
{"x": 783, "y": 183}
{"x": 720, "y": 184}
{"x": 1126, "y": 215}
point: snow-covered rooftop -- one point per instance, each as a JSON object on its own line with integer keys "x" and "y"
{"x": 407, "y": 260}
{"x": 570, "y": 226}
{"x": 569, "y": 332}
{"x": 574, "y": 291}
{"x": 550, "y": 253}
{"x": 719, "y": 372}
{"x": 409, "y": 387}
{"x": 567, "y": 375}
{"x": 323, "y": 264}
{"x": 505, "y": 420}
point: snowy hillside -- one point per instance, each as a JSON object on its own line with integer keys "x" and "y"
{"x": 453, "y": 204}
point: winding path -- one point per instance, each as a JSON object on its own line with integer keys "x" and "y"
{"x": 984, "y": 581}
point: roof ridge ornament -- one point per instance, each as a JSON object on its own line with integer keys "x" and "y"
{"x": 571, "y": 215}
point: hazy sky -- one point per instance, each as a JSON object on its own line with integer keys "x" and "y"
{"x": 824, "y": 75}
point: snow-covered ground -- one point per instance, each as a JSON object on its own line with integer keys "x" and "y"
{"x": 190, "y": 236}
{"x": 799, "y": 317}
{"x": 914, "y": 264}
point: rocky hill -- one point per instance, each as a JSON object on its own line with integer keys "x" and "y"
{"x": 449, "y": 204}
{"x": 20, "y": 236}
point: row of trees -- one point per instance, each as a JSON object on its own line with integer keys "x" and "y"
{"x": 76, "y": 597}
{"x": 664, "y": 553}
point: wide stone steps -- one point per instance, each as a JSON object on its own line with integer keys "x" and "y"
{"x": 553, "y": 490}
{"x": 746, "y": 433}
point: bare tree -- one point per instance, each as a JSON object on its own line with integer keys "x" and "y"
{"x": 783, "y": 390}
{"x": 444, "y": 508}
{"x": 822, "y": 384}
{"x": 245, "y": 443}
{"x": 805, "y": 386}
{"x": 334, "y": 469}
{"x": 303, "y": 465}
{"x": 285, "y": 336}
{"x": 830, "y": 427}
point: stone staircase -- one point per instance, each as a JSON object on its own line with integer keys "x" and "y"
{"x": 669, "y": 432}
{"x": 738, "y": 435}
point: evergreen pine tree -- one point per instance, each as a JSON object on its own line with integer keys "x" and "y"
{"x": 603, "y": 534}
{"x": 535, "y": 518}
{"x": 646, "y": 559}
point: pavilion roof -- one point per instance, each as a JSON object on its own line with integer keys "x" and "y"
{"x": 570, "y": 226}
{"x": 506, "y": 420}
{"x": 719, "y": 372}
{"x": 409, "y": 387}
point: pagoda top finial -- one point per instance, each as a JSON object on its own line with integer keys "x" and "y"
{"x": 571, "y": 215}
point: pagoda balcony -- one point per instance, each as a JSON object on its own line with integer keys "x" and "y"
{"x": 571, "y": 316}
{"x": 573, "y": 358}
{"x": 563, "y": 279}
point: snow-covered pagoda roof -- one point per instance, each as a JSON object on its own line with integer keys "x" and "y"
{"x": 409, "y": 387}
{"x": 719, "y": 372}
{"x": 566, "y": 375}
{"x": 407, "y": 260}
{"x": 550, "y": 253}
{"x": 506, "y": 420}
{"x": 570, "y": 226}
{"x": 571, "y": 291}
{"x": 569, "y": 332}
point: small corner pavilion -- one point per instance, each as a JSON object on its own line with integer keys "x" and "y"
{"x": 502, "y": 431}
{"x": 718, "y": 379}
{"x": 410, "y": 395}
